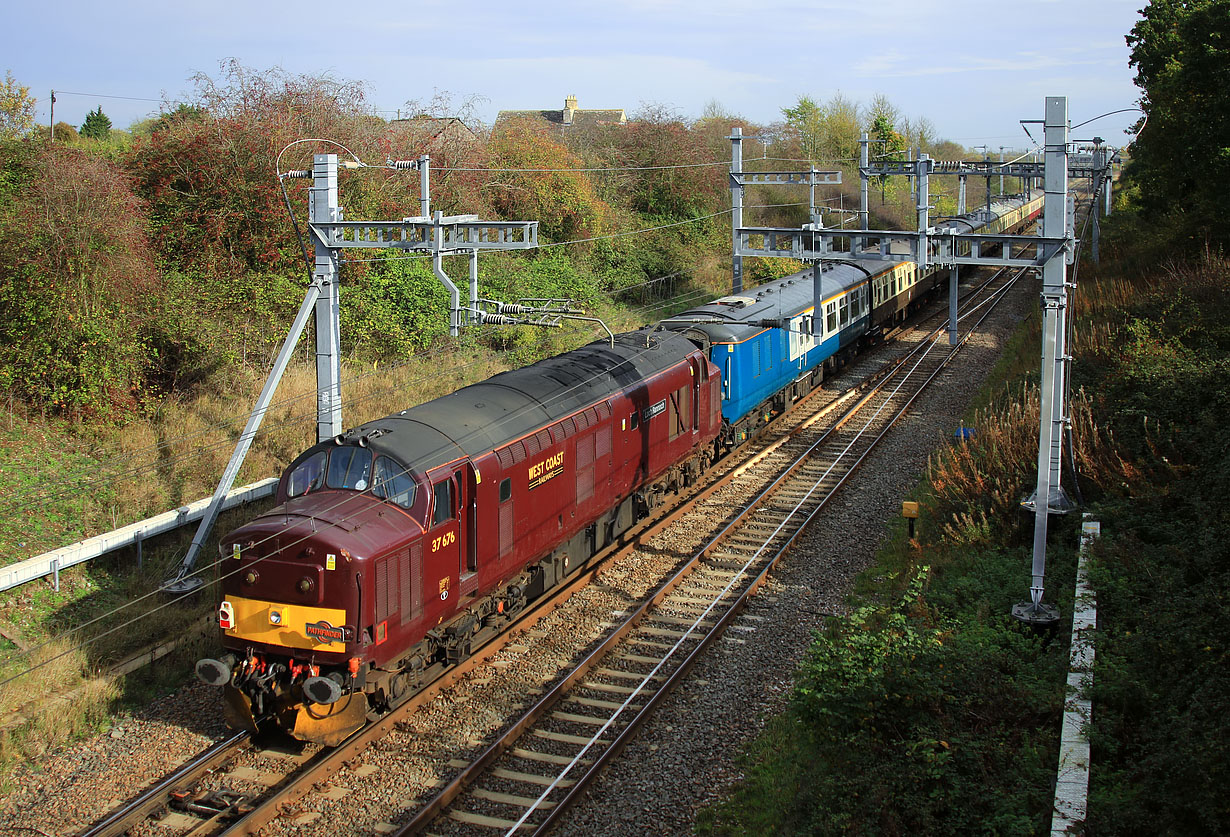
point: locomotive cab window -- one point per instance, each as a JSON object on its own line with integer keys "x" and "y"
{"x": 392, "y": 481}
{"x": 308, "y": 475}
{"x": 442, "y": 494}
{"x": 505, "y": 489}
{"x": 349, "y": 467}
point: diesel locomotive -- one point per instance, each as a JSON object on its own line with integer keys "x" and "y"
{"x": 398, "y": 545}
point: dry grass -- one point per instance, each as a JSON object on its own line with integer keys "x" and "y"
{"x": 33, "y": 725}
{"x": 976, "y": 486}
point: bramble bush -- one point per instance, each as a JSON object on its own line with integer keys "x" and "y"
{"x": 76, "y": 333}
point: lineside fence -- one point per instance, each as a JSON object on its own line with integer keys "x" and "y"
{"x": 51, "y": 563}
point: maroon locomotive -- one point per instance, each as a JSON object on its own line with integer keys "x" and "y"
{"x": 398, "y": 544}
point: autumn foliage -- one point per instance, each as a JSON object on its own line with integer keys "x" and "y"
{"x": 146, "y": 266}
{"x": 76, "y": 283}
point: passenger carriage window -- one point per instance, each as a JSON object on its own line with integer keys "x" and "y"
{"x": 831, "y": 317}
{"x": 443, "y": 507}
{"x": 309, "y": 475}
{"x": 349, "y": 467}
{"x": 845, "y": 311}
{"x": 391, "y": 481}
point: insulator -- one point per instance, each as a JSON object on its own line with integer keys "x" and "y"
{"x": 298, "y": 174}
{"x": 514, "y": 308}
{"x": 404, "y": 165}
{"x": 487, "y": 318}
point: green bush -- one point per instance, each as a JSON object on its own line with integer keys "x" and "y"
{"x": 905, "y": 720}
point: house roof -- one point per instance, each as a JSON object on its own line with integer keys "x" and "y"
{"x": 570, "y": 115}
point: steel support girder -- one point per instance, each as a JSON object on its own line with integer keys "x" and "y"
{"x": 736, "y": 206}
{"x": 182, "y": 582}
{"x": 1054, "y": 308}
{"x": 786, "y": 178}
{"x": 898, "y": 246}
{"x": 862, "y": 182}
{"x": 324, "y": 208}
{"x": 981, "y": 169}
{"x": 418, "y": 233}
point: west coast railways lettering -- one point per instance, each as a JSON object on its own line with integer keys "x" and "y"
{"x": 547, "y": 469}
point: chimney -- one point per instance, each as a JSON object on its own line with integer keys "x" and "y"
{"x": 570, "y": 105}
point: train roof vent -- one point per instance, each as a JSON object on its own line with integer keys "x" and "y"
{"x": 734, "y": 301}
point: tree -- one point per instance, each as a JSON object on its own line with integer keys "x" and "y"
{"x": 65, "y": 132}
{"x": 828, "y": 132}
{"x": 97, "y": 125}
{"x": 540, "y": 182}
{"x": 1181, "y": 154}
{"x": 806, "y": 119}
{"x": 16, "y": 108}
{"x": 656, "y": 138}
{"x": 889, "y": 145}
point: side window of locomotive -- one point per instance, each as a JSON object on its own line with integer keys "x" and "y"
{"x": 349, "y": 467}
{"x": 309, "y": 475}
{"x": 505, "y": 489}
{"x": 443, "y": 506}
{"x": 391, "y": 481}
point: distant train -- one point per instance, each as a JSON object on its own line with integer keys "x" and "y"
{"x": 397, "y": 546}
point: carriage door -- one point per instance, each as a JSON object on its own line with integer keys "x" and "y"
{"x": 466, "y": 480}
{"x": 698, "y": 369}
{"x": 442, "y": 535}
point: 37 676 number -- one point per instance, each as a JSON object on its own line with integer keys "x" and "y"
{"x": 443, "y": 540}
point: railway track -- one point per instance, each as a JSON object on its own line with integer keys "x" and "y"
{"x": 669, "y": 622}
{"x": 525, "y": 780}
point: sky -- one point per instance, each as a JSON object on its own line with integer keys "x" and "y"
{"x": 974, "y": 69}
